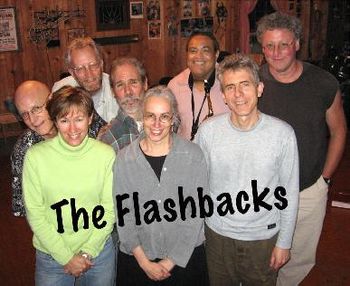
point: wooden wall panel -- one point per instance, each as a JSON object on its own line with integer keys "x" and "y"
{"x": 162, "y": 57}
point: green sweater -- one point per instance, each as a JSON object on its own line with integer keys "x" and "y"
{"x": 55, "y": 171}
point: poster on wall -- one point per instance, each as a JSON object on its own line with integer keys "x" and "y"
{"x": 188, "y": 26}
{"x": 153, "y": 10}
{"x": 136, "y": 10}
{"x": 154, "y": 30}
{"x": 8, "y": 30}
{"x": 187, "y": 8}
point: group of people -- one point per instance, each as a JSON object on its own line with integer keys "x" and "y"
{"x": 220, "y": 178}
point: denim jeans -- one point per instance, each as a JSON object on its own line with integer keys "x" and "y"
{"x": 50, "y": 273}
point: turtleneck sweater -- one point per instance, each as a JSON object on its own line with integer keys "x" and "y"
{"x": 59, "y": 177}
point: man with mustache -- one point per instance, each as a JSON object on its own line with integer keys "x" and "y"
{"x": 85, "y": 64}
{"x": 129, "y": 83}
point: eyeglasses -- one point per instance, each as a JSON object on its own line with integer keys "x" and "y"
{"x": 120, "y": 85}
{"x": 163, "y": 118}
{"x": 35, "y": 111}
{"x": 93, "y": 66}
{"x": 281, "y": 46}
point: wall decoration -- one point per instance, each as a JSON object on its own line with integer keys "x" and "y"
{"x": 75, "y": 33}
{"x": 153, "y": 10}
{"x": 136, "y": 10}
{"x": 187, "y": 8}
{"x": 45, "y": 25}
{"x": 188, "y": 26}
{"x": 204, "y": 8}
{"x": 172, "y": 19}
{"x": 154, "y": 30}
{"x": 8, "y": 30}
{"x": 112, "y": 14}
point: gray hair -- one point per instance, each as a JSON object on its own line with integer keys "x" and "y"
{"x": 129, "y": 61}
{"x": 80, "y": 43}
{"x": 279, "y": 20}
{"x": 238, "y": 62}
{"x": 163, "y": 91}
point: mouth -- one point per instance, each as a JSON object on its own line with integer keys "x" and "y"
{"x": 74, "y": 135}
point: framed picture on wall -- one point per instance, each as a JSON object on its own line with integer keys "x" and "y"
{"x": 136, "y": 10}
{"x": 8, "y": 30}
{"x": 112, "y": 14}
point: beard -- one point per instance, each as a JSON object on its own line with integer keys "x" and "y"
{"x": 130, "y": 104}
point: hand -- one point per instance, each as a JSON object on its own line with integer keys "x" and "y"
{"x": 77, "y": 265}
{"x": 155, "y": 271}
{"x": 103, "y": 130}
{"x": 279, "y": 257}
{"x": 167, "y": 263}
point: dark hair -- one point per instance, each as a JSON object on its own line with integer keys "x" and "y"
{"x": 65, "y": 98}
{"x": 205, "y": 34}
{"x": 239, "y": 62}
{"x": 279, "y": 20}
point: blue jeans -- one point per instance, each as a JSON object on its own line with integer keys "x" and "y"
{"x": 48, "y": 272}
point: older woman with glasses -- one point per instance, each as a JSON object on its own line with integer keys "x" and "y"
{"x": 67, "y": 187}
{"x": 161, "y": 242}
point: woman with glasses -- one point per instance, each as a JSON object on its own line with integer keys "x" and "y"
{"x": 67, "y": 187}
{"x": 159, "y": 243}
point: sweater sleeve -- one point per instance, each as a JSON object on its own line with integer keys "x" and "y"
{"x": 192, "y": 228}
{"x": 122, "y": 197}
{"x": 99, "y": 236}
{"x": 289, "y": 179}
{"x": 36, "y": 213}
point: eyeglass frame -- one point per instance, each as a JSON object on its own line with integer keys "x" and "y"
{"x": 92, "y": 66}
{"x": 281, "y": 46}
{"x": 152, "y": 118}
{"x": 35, "y": 110}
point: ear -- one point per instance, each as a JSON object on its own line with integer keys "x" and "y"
{"x": 260, "y": 88}
{"x": 217, "y": 55}
{"x": 297, "y": 45}
{"x": 50, "y": 96}
{"x": 90, "y": 118}
{"x": 71, "y": 71}
{"x": 145, "y": 85}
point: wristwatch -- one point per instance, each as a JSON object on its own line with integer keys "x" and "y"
{"x": 327, "y": 180}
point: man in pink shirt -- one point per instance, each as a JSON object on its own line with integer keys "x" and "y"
{"x": 197, "y": 89}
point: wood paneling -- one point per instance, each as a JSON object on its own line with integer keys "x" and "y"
{"x": 162, "y": 57}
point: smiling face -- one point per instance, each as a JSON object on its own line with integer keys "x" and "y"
{"x": 74, "y": 126}
{"x": 128, "y": 89}
{"x": 241, "y": 93}
{"x": 279, "y": 48}
{"x": 30, "y": 100}
{"x": 86, "y": 68}
{"x": 201, "y": 57}
{"x": 157, "y": 120}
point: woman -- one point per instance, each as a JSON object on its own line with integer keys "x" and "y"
{"x": 157, "y": 246}
{"x": 67, "y": 182}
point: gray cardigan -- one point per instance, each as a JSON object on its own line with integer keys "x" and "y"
{"x": 184, "y": 167}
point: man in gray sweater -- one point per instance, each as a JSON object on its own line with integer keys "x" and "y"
{"x": 253, "y": 180}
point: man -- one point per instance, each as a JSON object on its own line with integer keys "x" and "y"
{"x": 196, "y": 88}
{"x": 85, "y": 64}
{"x": 308, "y": 99}
{"x": 30, "y": 99}
{"x": 253, "y": 180}
{"x": 129, "y": 83}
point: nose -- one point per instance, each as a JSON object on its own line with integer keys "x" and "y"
{"x": 32, "y": 118}
{"x": 127, "y": 88}
{"x": 156, "y": 122}
{"x": 72, "y": 128}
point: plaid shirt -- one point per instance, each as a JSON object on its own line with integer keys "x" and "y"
{"x": 122, "y": 132}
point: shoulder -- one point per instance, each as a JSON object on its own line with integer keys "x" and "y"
{"x": 277, "y": 125}
{"x": 180, "y": 79}
{"x": 101, "y": 148}
{"x": 27, "y": 139}
{"x": 69, "y": 80}
{"x": 214, "y": 122}
{"x": 319, "y": 74}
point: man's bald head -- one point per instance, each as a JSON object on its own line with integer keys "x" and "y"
{"x": 30, "y": 99}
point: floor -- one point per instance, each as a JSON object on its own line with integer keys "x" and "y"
{"x": 333, "y": 257}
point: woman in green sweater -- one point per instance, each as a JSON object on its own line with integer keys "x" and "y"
{"x": 67, "y": 184}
